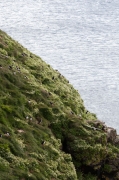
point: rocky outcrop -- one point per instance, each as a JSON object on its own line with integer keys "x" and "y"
{"x": 111, "y": 135}
{"x": 96, "y": 157}
{"x": 117, "y": 140}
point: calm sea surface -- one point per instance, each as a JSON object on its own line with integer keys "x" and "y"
{"x": 80, "y": 38}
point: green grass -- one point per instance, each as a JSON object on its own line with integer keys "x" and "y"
{"x": 30, "y": 90}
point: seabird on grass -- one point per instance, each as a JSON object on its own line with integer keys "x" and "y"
{"x": 27, "y": 117}
{"x": 43, "y": 142}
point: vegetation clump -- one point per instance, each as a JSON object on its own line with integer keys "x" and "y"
{"x": 46, "y": 133}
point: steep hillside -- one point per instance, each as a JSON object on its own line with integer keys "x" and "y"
{"x": 46, "y": 133}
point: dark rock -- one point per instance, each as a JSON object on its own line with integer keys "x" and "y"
{"x": 111, "y": 134}
{"x": 114, "y": 164}
{"x": 117, "y": 140}
{"x": 117, "y": 176}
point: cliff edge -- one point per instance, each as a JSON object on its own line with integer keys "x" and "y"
{"x": 46, "y": 133}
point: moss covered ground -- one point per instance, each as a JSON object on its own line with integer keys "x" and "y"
{"x": 46, "y": 133}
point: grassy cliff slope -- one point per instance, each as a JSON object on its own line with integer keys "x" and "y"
{"x": 46, "y": 133}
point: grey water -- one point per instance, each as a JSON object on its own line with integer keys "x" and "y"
{"x": 80, "y": 38}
